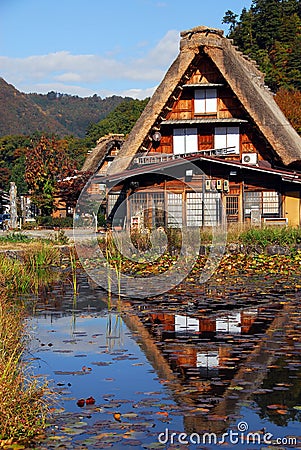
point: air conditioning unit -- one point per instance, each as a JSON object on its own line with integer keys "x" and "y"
{"x": 249, "y": 158}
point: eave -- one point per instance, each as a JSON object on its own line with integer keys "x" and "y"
{"x": 282, "y": 175}
{"x": 203, "y": 120}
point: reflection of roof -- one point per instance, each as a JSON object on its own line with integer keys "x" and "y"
{"x": 285, "y": 175}
{"x": 243, "y": 77}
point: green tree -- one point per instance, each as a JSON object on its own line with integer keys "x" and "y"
{"x": 270, "y": 33}
{"x": 12, "y": 161}
{"x": 119, "y": 121}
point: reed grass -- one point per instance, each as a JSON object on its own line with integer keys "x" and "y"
{"x": 30, "y": 271}
{"x": 114, "y": 263}
{"x": 13, "y": 276}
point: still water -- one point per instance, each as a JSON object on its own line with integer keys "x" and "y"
{"x": 196, "y": 368}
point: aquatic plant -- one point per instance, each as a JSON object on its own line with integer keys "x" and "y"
{"x": 114, "y": 262}
{"x": 38, "y": 259}
{"x": 13, "y": 276}
{"x": 73, "y": 265}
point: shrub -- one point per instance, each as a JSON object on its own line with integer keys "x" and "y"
{"x": 14, "y": 238}
{"x": 55, "y": 222}
{"x": 271, "y": 236}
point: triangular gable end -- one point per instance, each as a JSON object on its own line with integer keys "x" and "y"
{"x": 252, "y": 101}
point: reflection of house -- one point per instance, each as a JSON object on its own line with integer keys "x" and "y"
{"x": 170, "y": 356}
{"x": 213, "y": 110}
{"x": 239, "y": 322}
{"x": 211, "y": 361}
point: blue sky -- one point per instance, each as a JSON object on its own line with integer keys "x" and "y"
{"x": 103, "y": 47}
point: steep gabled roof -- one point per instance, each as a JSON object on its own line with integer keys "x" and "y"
{"x": 246, "y": 82}
{"x": 104, "y": 145}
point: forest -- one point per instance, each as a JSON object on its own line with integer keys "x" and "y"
{"x": 269, "y": 33}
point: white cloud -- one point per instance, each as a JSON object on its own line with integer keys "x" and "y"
{"x": 138, "y": 93}
{"x": 81, "y": 74}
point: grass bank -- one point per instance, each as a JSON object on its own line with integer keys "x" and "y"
{"x": 23, "y": 405}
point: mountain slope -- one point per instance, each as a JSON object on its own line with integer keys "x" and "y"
{"x": 76, "y": 113}
{"x": 20, "y": 115}
{"x": 61, "y": 114}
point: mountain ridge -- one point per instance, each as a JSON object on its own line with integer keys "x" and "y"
{"x": 54, "y": 113}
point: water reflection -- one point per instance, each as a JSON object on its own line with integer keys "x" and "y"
{"x": 202, "y": 364}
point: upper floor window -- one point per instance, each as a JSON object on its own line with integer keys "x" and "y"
{"x": 205, "y": 101}
{"x": 227, "y": 137}
{"x": 185, "y": 140}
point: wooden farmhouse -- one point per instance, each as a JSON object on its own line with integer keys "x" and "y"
{"x": 211, "y": 145}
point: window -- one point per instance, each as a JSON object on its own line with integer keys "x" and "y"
{"x": 116, "y": 208}
{"x": 138, "y": 207}
{"x": 158, "y": 209}
{"x": 194, "y": 209}
{"x": 229, "y": 324}
{"x": 212, "y": 209}
{"x": 205, "y": 101}
{"x": 227, "y": 137}
{"x": 186, "y": 323}
{"x": 174, "y": 209}
{"x": 185, "y": 140}
{"x": 270, "y": 203}
{"x": 232, "y": 205}
{"x": 112, "y": 200}
{"x": 267, "y": 203}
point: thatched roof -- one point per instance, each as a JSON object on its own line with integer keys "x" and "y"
{"x": 244, "y": 78}
{"x": 104, "y": 145}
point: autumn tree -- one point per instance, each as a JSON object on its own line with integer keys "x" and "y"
{"x": 69, "y": 188}
{"x": 46, "y": 163}
{"x": 290, "y": 103}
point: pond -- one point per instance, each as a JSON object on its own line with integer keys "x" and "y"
{"x": 199, "y": 367}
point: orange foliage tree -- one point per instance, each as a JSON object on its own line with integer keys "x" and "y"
{"x": 290, "y": 102}
{"x": 46, "y": 163}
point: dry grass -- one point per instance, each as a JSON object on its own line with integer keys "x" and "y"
{"x": 23, "y": 408}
